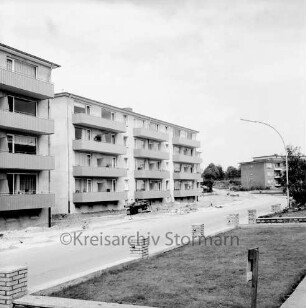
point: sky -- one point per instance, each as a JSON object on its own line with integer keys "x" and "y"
{"x": 201, "y": 64}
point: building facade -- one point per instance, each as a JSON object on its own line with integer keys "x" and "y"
{"x": 263, "y": 172}
{"x": 106, "y": 157}
{"x": 25, "y": 130}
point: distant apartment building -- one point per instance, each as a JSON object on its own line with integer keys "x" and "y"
{"x": 25, "y": 129}
{"x": 107, "y": 157}
{"x": 263, "y": 172}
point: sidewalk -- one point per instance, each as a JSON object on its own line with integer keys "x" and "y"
{"x": 298, "y": 298}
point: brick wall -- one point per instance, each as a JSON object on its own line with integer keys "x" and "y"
{"x": 13, "y": 284}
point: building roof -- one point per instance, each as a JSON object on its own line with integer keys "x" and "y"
{"x": 263, "y": 159}
{"x": 123, "y": 110}
{"x": 17, "y": 51}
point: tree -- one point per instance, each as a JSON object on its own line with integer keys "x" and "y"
{"x": 211, "y": 172}
{"x": 232, "y": 172}
{"x": 297, "y": 176}
{"x": 221, "y": 172}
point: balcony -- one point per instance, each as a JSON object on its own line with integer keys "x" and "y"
{"x": 187, "y": 193}
{"x": 99, "y": 147}
{"x": 99, "y": 172}
{"x": 180, "y": 158}
{"x": 99, "y": 196}
{"x": 152, "y": 194}
{"x": 98, "y": 122}
{"x": 151, "y": 174}
{"x": 186, "y": 176}
{"x": 26, "y": 161}
{"x": 150, "y": 134}
{"x": 26, "y": 123}
{"x": 144, "y": 153}
{"x": 25, "y": 85}
{"x": 186, "y": 142}
{"x": 24, "y": 201}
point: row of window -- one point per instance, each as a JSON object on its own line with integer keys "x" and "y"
{"x": 110, "y": 185}
{"x": 139, "y": 123}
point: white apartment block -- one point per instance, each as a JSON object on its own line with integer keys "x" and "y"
{"x": 106, "y": 157}
{"x": 25, "y": 129}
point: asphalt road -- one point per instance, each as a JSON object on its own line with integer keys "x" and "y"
{"x": 52, "y": 261}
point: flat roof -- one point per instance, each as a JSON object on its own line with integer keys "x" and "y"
{"x": 14, "y": 50}
{"x": 263, "y": 159}
{"x": 123, "y": 110}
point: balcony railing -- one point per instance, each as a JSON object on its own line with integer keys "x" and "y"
{"x": 98, "y": 122}
{"x": 187, "y": 193}
{"x": 21, "y": 161}
{"x": 150, "y": 134}
{"x": 26, "y": 201}
{"x": 99, "y": 147}
{"x": 23, "y": 122}
{"x": 25, "y": 85}
{"x": 87, "y": 197}
{"x": 186, "y": 176}
{"x": 186, "y": 159}
{"x": 152, "y": 194}
{"x": 145, "y": 153}
{"x": 99, "y": 171}
{"x": 186, "y": 142}
{"x": 151, "y": 174}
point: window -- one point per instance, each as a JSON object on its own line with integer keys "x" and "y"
{"x": 22, "y": 183}
{"x": 9, "y": 64}
{"x": 107, "y": 114}
{"x": 140, "y": 185}
{"x": 106, "y": 185}
{"x": 79, "y": 108}
{"x": 114, "y": 162}
{"x": 112, "y": 116}
{"x": 126, "y": 163}
{"x": 21, "y": 105}
{"x": 88, "y": 134}
{"x": 21, "y": 67}
{"x": 88, "y": 159}
{"x": 155, "y": 185}
{"x": 88, "y": 109}
{"x": 140, "y": 144}
{"x": 114, "y": 185}
{"x": 176, "y": 150}
{"x": 22, "y": 144}
{"x": 78, "y": 133}
{"x": 167, "y": 165}
{"x": 125, "y": 138}
{"x": 89, "y": 186}
{"x": 126, "y": 184}
{"x": 125, "y": 118}
{"x": 177, "y": 185}
{"x": 113, "y": 138}
{"x": 167, "y": 184}
{"x": 140, "y": 164}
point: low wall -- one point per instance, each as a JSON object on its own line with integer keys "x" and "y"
{"x": 280, "y": 220}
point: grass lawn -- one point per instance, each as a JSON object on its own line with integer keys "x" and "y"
{"x": 206, "y": 276}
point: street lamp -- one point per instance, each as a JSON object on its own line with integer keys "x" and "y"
{"x": 286, "y": 153}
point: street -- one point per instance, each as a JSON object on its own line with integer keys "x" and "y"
{"x": 51, "y": 261}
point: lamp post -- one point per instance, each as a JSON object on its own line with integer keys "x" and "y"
{"x": 286, "y": 153}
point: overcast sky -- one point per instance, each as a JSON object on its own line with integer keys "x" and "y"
{"x": 202, "y": 64}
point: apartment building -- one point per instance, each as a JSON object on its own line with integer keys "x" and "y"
{"x": 25, "y": 129}
{"x": 107, "y": 157}
{"x": 263, "y": 172}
